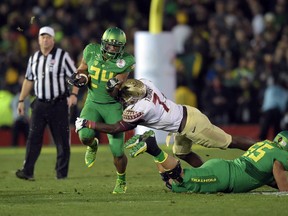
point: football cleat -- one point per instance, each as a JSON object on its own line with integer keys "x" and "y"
{"x": 147, "y": 134}
{"x": 138, "y": 143}
{"x": 120, "y": 187}
{"x": 140, "y": 148}
{"x": 90, "y": 154}
{"x": 133, "y": 141}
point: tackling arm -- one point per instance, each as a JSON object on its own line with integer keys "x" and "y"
{"x": 118, "y": 127}
{"x": 280, "y": 176}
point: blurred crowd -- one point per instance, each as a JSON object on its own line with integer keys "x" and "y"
{"x": 231, "y": 60}
{"x": 232, "y": 57}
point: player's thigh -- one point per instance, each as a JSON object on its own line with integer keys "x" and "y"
{"x": 201, "y": 131}
{"x": 112, "y": 113}
{"x": 91, "y": 111}
{"x": 213, "y": 137}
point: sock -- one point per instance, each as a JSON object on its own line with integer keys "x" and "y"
{"x": 160, "y": 158}
{"x": 121, "y": 176}
{"x": 152, "y": 147}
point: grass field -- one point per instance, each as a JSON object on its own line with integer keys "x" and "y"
{"x": 88, "y": 191}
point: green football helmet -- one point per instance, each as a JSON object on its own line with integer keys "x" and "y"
{"x": 112, "y": 43}
{"x": 131, "y": 91}
{"x": 281, "y": 140}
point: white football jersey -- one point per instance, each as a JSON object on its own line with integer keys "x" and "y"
{"x": 155, "y": 110}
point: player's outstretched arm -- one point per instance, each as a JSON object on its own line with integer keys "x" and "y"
{"x": 280, "y": 176}
{"x": 118, "y": 127}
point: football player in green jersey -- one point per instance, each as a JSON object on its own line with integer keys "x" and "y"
{"x": 264, "y": 163}
{"x": 108, "y": 65}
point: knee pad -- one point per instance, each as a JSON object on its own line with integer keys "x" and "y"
{"x": 175, "y": 173}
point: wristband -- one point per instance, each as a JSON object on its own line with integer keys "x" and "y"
{"x": 74, "y": 94}
{"x": 20, "y": 101}
{"x": 91, "y": 124}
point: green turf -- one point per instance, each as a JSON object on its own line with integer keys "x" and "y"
{"x": 88, "y": 190}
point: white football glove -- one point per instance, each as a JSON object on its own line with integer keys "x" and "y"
{"x": 79, "y": 124}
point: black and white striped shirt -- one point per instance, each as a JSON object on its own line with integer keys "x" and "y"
{"x": 49, "y": 73}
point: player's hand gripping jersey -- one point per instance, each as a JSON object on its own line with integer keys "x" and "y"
{"x": 154, "y": 111}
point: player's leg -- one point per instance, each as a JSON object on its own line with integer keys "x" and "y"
{"x": 167, "y": 170}
{"x": 112, "y": 114}
{"x": 241, "y": 142}
{"x": 139, "y": 142}
{"x": 116, "y": 143}
{"x": 182, "y": 149}
{"x": 167, "y": 165}
{"x": 87, "y": 135}
{"x": 206, "y": 134}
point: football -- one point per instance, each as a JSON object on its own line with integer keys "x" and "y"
{"x": 79, "y": 79}
{"x": 83, "y": 77}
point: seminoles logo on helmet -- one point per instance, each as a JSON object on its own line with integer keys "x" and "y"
{"x": 131, "y": 91}
{"x": 120, "y": 63}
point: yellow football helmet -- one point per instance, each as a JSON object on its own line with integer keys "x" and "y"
{"x": 131, "y": 91}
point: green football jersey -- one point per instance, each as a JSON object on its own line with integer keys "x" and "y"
{"x": 101, "y": 71}
{"x": 250, "y": 171}
{"x": 257, "y": 162}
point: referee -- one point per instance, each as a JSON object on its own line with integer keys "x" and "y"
{"x": 46, "y": 73}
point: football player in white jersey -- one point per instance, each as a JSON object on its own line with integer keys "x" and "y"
{"x": 144, "y": 104}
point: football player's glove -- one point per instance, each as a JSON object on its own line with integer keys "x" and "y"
{"x": 80, "y": 123}
{"x": 165, "y": 178}
{"x": 78, "y": 79}
{"x": 112, "y": 83}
